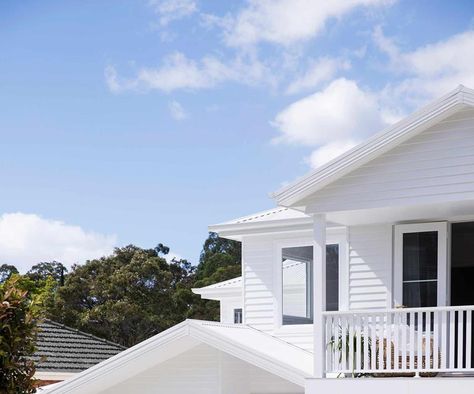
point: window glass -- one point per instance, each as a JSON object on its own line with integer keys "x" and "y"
{"x": 420, "y": 269}
{"x": 297, "y": 298}
{"x": 296, "y": 277}
{"x": 238, "y": 316}
{"x": 332, "y": 277}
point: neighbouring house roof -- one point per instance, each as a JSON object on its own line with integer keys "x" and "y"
{"x": 294, "y": 194}
{"x": 217, "y": 291}
{"x": 246, "y": 343}
{"x": 64, "y": 349}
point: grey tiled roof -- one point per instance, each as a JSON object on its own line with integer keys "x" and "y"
{"x": 64, "y": 349}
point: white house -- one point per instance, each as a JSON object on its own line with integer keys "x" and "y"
{"x": 361, "y": 279}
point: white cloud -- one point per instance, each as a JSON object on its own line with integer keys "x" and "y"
{"x": 340, "y": 112}
{"x": 27, "y": 239}
{"x": 286, "y": 21}
{"x": 319, "y": 71}
{"x": 171, "y": 10}
{"x": 179, "y": 72}
{"x": 431, "y": 70}
{"x": 177, "y": 110}
{"x": 329, "y": 151}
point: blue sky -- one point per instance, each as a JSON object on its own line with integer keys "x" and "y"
{"x": 136, "y": 121}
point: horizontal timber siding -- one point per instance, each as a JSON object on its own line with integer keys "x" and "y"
{"x": 257, "y": 273}
{"x": 438, "y": 164}
{"x": 205, "y": 370}
{"x": 370, "y": 266}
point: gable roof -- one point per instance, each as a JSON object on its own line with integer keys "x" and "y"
{"x": 293, "y": 194}
{"x": 246, "y": 343}
{"x": 63, "y": 349}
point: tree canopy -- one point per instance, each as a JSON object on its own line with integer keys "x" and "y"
{"x": 19, "y": 313}
{"x": 6, "y": 271}
{"x": 134, "y": 293}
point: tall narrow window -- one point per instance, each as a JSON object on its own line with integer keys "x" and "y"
{"x": 297, "y": 285}
{"x": 297, "y": 268}
{"x": 420, "y": 264}
{"x": 332, "y": 277}
{"x": 238, "y": 316}
{"x": 420, "y": 269}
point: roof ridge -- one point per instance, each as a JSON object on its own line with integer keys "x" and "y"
{"x": 83, "y": 333}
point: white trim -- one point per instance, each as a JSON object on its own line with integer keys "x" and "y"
{"x": 52, "y": 375}
{"x": 294, "y": 194}
{"x": 442, "y": 229}
{"x": 184, "y": 337}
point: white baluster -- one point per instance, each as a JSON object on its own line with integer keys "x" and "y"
{"x": 404, "y": 340}
{"x": 365, "y": 322}
{"x": 468, "y": 338}
{"x": 460, "y": 339}
{"x": 436, "y": 340}
{"x": 412, "y": 341}
{"x": 419, "y": 352}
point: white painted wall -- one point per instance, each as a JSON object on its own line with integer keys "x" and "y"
{"x": 435, "y": 166}
{"x": 227, "y": 306}
{"x": 368, "y": 267}
{"x": 205, "y": 370}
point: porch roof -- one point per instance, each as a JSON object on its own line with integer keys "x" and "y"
{"x": 246, "y": 343}
{"x": 217, "y": 291}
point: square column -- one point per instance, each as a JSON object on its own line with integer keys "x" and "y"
{"x": 319, "y": 293}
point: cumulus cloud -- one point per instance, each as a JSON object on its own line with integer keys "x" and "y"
{"x": 27, "y": 239}
{"x": 335, "y": 118}
{"x": 171, "y": 10}
{"x": 286, "y": 22}
{"x": 431, "y": 70}
{"x": 329, "y": 151}
{"x": 178, "y": 72}
{"x": 340, "y": 112}
{"x": 176, "y": 110}
{"x": 319, "y": 71}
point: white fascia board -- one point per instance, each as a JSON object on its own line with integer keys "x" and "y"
{"x": 238, "y": 230}
{"x": 218, "y": 294}
{"x": 54, "y": 375}
{"x": 375, "y": 146}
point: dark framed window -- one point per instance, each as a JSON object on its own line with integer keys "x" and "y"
{"x": 238, "y": 316}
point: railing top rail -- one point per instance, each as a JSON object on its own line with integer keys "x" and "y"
{"x": 399, "y": 310}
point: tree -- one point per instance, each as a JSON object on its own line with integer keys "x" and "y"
{"x": 126, "y": 297}
{"x": 44, "y": 270}
{"x": 220, "y": 260}
{"x": 6, "y": 271}
{"x": 18, "y": 329}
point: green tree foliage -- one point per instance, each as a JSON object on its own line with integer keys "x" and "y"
{"x": 126, "y": 297}
{"x": 220, "y": 260}
{"x": 6, "y": 271}
{"x": 42, "y": 271}
{"x": 18, "y": 328}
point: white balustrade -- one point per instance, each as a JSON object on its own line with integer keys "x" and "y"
{"x": 398, "y": 341}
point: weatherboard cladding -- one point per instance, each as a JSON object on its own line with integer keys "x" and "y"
{"x": 64, "y": 349}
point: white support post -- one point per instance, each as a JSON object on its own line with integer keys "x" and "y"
{"x": 319, "y": 293}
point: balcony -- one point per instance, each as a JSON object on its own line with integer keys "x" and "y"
{"x": 399, "y": 342}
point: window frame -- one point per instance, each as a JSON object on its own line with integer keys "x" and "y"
{"x": 334, "y": 236}
{"x": 442, "y": 275}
